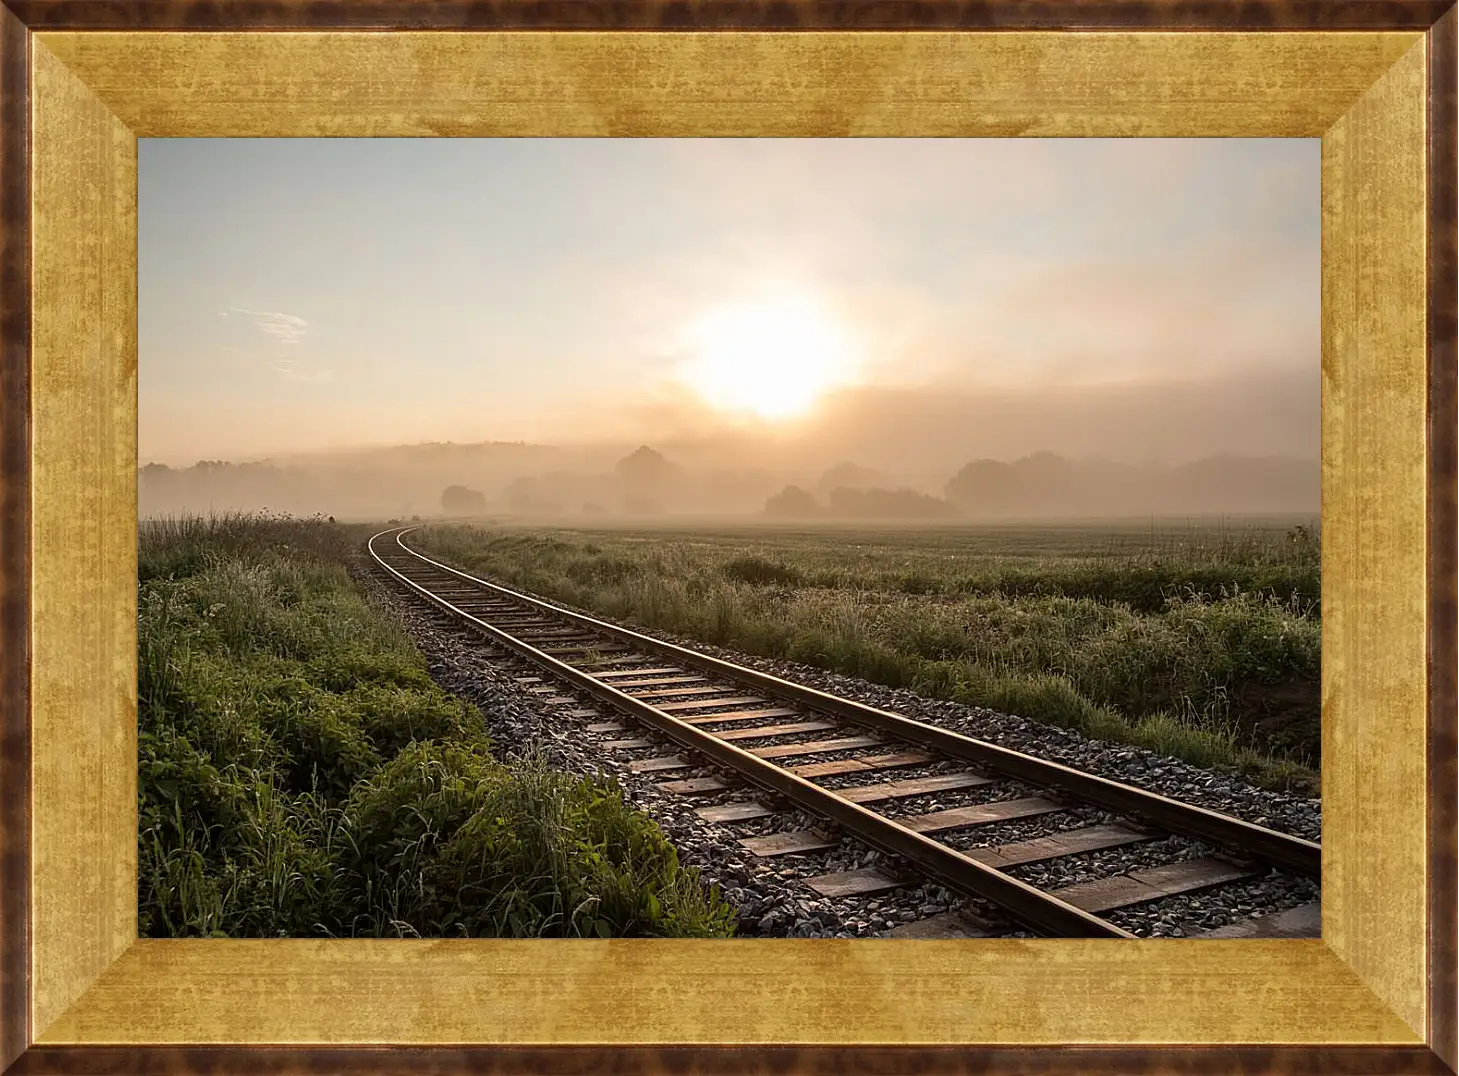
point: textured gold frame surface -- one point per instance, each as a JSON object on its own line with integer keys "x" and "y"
{"x": 1376, "y": 979}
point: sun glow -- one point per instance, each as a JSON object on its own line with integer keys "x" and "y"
{"x": 771, "y": 359}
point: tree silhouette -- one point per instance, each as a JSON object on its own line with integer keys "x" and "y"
{"x": 792, "y": 503}
{"x": 460, "y": 501}
{"x": 645, "y": 470}
{"x": 888, "y": 504}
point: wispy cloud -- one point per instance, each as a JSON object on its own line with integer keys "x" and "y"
{"x": 294, "y": 372}
{"x": 288, "y": 330}
{"x": 285, "y": 328}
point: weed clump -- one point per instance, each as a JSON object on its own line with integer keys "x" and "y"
{"x": 455, "y": 843}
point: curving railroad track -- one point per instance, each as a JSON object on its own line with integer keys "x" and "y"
{"x": 802, "y": 746}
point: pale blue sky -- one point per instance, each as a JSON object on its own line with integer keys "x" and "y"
{"x": 310, "y": 293}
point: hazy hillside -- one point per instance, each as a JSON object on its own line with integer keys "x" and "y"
{"x": 1242, "y": 442}
{"x": 367, "y": 483}
{"x": 540, "y": 480}
{"x": 1048, "y": 485}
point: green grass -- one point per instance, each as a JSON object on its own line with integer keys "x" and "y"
{"x": 1201, "y": 641}
{"x": 302, "y": 775}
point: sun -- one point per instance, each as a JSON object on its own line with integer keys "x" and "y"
{"x": 773, "y": 359}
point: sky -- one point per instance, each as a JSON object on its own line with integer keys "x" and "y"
{"x": 307, "y": 294}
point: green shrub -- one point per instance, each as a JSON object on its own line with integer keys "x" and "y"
{"x": 324, "y": 746}
{"x": 393, "y": 717}
{"x": 758, "y": 571}
{"x": 175, "y": 776}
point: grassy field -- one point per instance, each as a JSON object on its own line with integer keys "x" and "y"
{"x": 1200, "y": 640}
{"x": 302, "y": 775}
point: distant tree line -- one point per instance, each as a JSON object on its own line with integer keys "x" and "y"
{"x": 645, "y": 482}
{"x": 1046, "y": 484}
{"x": 793, "y": 502}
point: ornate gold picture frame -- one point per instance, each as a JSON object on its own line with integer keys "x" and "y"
{"x": 84, "y": 79}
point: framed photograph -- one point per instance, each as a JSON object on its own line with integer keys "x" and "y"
{"x": 99, "y": 974}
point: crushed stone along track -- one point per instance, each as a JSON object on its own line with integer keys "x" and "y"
{"x": 863, "y": 804}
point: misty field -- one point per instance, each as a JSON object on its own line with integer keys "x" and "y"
{"x": 301, "y": 774}
{"x": 1197, "y": 640}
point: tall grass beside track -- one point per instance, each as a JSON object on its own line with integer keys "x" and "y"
{"x": 302, "y": 775}
{"x": 1201, "y": 643}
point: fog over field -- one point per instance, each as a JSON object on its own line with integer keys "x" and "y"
{"x": 1233, "y": 447}
{"x": 793, "y": 329}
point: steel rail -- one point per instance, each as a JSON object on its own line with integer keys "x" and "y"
{"x": 1035, "y": 908}
{"x": 1266, "y": 845}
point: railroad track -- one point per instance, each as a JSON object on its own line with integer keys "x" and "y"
{"x": 791, "y": 740}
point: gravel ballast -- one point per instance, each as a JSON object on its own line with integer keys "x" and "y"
{"x": 1230, "y": 794}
